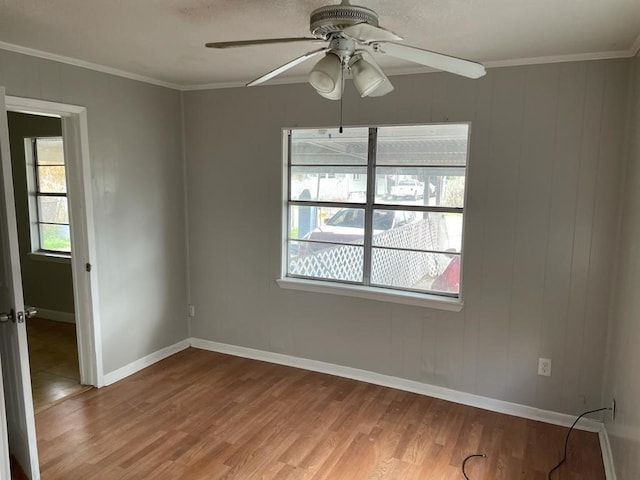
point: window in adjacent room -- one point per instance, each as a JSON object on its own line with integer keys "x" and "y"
{"x": 381, "y": 208}
{"x": 48, "y": 202}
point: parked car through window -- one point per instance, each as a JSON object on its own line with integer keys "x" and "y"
{"x": 347, "y": 226}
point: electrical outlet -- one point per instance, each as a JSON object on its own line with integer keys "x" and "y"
{"x": 192, "y": 310}
{"x": 544, "y": 367}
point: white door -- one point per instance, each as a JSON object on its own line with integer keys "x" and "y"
{"x": 13, "y": 334}
{"x": 4, "y": 438}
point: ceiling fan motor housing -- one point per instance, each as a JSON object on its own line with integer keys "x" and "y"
{"x": 334, "y": 18}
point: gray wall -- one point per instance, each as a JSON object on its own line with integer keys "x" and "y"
{"x": 622, "y": 381}
{"x": 546, "y": 160}
{"x": 137, "y": 187}
{"x": 546, "y": 163}
{"x": 46, "y": 284}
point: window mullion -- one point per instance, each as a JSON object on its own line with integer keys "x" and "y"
{"x": 287, "y": 212}
{"x": 38, "y": 215}
{"x": 368, "y": 217}
{"x": 52, "y": 194}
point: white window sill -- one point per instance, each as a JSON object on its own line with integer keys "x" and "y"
{"x": 373, "y": 293}
{"x": 51, "y": 257}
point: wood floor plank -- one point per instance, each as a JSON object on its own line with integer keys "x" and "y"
{"x": 204, "y": 415}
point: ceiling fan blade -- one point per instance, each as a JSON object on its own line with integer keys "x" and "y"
{"x": 435, "y": 60}
{"x": 286, "y": 66}
{"x": 368, "y": 33}
{"x": 265, "y": 41}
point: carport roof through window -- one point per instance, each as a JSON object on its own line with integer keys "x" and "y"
{"x": 377, "y": 207}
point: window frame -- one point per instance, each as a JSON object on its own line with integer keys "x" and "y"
{"x": 34, "y": 194}
{"x": 365, "y": 289}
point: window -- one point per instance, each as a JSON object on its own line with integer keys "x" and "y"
{"x": 380, "y": 208}
{"x": 48, "y": 204}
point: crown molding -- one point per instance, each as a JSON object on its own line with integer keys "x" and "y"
{"x": 578, "y": 57}
{"x": 88, "y": 65}
{"x": 633, "y": 50}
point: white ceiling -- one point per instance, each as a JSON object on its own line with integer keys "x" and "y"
{"x": 162, "y": 41}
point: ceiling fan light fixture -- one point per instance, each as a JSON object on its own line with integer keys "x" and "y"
{"x": 336, "y": 93}
{"x": 354, "y": 35}
{"x": 384, "y": 89}
{"x": 366, "y": 77}
{"x": 326, "y": 74}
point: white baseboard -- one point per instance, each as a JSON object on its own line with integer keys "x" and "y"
{"x": 469, "y": 399}
{"x": 65, "y": 317}
{"x": 607, "y": 455}
{"x": 144, "y": 362}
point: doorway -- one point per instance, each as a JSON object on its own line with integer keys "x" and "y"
{"x": 43, "y": 225}
{"x": 17, "y": 378}
{"x": 73, "y": 120}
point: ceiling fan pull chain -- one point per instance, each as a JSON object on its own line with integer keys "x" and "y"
{"x": 341, "y": 97}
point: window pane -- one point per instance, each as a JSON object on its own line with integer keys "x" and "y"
{"x": 329, "y": 184}
{"x": 322, "y": 224}
{"x": 416, "y": 270}
{"x": 448, "y": 278}
{"x": 55, "y": 237}
{"x": 429, "y": 231}
{"x": 333, "y": 262}
{"x": 51, "y": 179}
{"x": 302, "y": 220}
{"x": 53, "y": 209}
{"x": 441, "y": 187}
{"x": 329, "y": 147}
{"x": 423, "y": 145}
{"x": 50, "y": 151}
{"x": 330, "y": 225}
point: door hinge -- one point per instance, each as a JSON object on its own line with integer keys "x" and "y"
{"x": 87, "y": 267}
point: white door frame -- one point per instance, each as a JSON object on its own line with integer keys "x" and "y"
{"x": 83, "y": 259}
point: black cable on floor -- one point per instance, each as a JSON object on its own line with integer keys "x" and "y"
{"x": 566, "y": 440}
{"x": 464, "y": 462}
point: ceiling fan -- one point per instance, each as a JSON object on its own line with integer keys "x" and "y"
{"x": 354, "y": 35}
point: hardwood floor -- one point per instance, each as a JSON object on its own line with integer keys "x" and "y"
{"x": 204, "y": 415}
{"x": 53, "y": 360}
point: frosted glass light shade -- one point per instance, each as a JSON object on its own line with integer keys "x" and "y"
{"x": 325, "y": 74}
{"x": 366, "y": 77}
{"x": 336, "y": 93}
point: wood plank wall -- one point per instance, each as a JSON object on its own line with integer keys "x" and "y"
{"x": 547, "y": 152}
